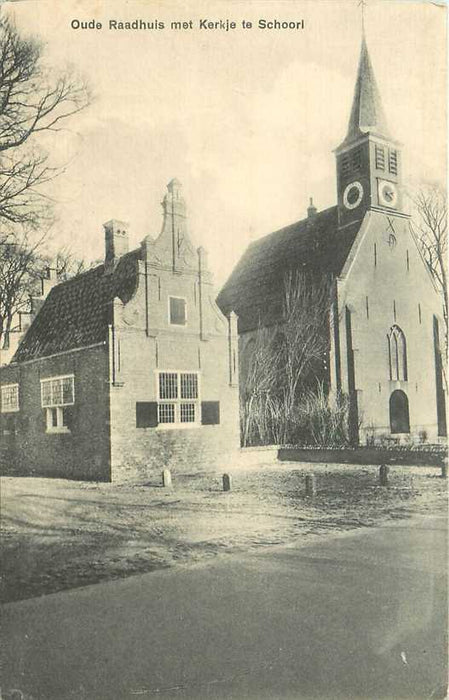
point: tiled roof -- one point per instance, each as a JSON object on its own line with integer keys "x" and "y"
{"x": 314, "y": 244}
{"x": 76, "y": 313}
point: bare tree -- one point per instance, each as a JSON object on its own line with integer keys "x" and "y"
{"x": 288, "y": 359}
{"x": 260, "y": 403}
{"x": 67, "y": 264}
{"x": 430, "y": 228}
{"x": 33, "y": 101}
{"x": 21, "y": 268}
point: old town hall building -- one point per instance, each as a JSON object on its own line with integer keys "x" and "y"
{"x": 128, "y": 367}
{"x": 385, "y": 324}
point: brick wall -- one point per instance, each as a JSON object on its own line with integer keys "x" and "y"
{"x": 139, "y": 453}
{"x": 82, "y": 453}
{"x": 144, "y": 342}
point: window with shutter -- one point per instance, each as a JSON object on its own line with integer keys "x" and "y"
{"x": 210, "y": 412}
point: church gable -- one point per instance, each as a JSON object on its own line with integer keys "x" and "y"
{"x": 385, "y": 255}
{"x": 313, "y": 245}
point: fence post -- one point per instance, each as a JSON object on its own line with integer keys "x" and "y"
{"x": 383, "y": 475}
{"x": 227, "y": 482}
{"x": 166, "y": 478}
{"x": 310, "y": 485}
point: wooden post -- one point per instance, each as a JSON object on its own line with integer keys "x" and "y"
{"x": 383, "y": 475}
{"x": 444, "y": 469}
{"x": 310, "y": 485}
{"x": 166, "y": 478}
{"x": 227, "y": 482}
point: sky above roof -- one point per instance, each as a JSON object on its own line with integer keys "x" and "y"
{"x": 246, "y": 119}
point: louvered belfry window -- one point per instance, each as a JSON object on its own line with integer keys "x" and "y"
{"x": 380, "y": 157}
{"x": 393, "y": 161}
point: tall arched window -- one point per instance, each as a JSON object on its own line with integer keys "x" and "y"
{"x": 397, "y": 350}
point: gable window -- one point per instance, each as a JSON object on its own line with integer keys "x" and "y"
{"x": 380, "y": 157}
{"x": 397, "y": 354}
{"x": 9, "y": 400}
{"x": 393, "y": 161}
{"x": 177, "y": 311}
{"x": 178, "y": 398}
{"x": 57, "y": 397}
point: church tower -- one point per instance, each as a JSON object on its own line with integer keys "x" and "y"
{"x": 368, "y": 160}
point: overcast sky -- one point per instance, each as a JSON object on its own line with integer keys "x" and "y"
{"x": 246, "y": 119}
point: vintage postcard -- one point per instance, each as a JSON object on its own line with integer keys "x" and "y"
{"x": 223, "y": 343}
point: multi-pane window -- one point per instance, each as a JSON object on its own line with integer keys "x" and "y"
{"x": 57, "y": 394}
{"x": 397, "y": 354}
{"x": 380, "y": 157}
{"x": 9, "y": 401}
{"x": 177, "y": 311}
{"x": 178, "y": 397}
{"x": 168, "y": 385}
{"x": 57, "y": 391}
{"x": 393, "y": 161}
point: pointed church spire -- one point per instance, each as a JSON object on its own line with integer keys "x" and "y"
{"x": 367, "y": 114}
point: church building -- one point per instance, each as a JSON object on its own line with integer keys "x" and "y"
{"x": 385, "y": 322}
{"x": 127, "y": 368}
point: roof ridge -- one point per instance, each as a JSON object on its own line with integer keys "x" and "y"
{"x": 295, "y": 223}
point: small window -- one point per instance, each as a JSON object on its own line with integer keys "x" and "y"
{"x": 58, "y": 419}
{"x": 393, "y": 162}
{"x": 178, "y": 398}
{"x": 10, "y": 398}
{"x": 57, "y": 397}
{"x": 177, "y": 311}
{"x": 380, "y": 157}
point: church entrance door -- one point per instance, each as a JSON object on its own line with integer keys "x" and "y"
{"x": 399, "y": 413}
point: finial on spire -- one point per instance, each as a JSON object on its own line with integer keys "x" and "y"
{"x": 367, "y": 114}
{"x": 362, "y": 5}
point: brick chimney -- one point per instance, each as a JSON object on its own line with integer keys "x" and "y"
{"x": 116, "y": 241}
{"x": 311, "y": 209}
{"x": 49, "y": 280}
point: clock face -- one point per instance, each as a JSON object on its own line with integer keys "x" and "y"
{"x": 388, "y": 194}
{"x": 352, "y": 196}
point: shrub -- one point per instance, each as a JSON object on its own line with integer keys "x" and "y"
{"x": 320, "y": 421}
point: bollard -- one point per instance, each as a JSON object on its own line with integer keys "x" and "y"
{"x": 166, "y": 478}
{"x": 444, "y": 470}
{"x": 310, "y": 485}
{"x": 383, "y": 475}
{"x": 227, "y": 482}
